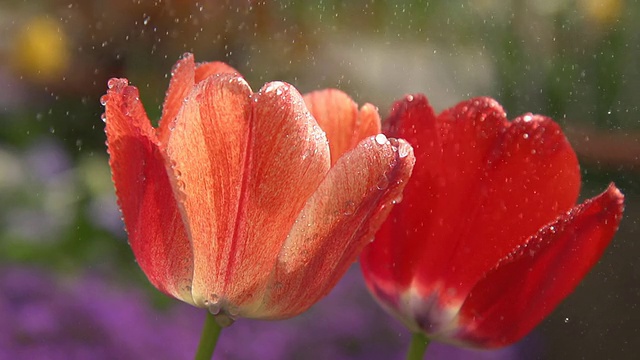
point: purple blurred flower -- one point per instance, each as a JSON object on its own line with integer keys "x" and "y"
{"x": 45, "y": 317}
{"x": 47, "y": 159}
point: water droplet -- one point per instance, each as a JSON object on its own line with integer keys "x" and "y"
{"x": 397, "y": 199}
{"x": 409, "y": 98}
{"x": 349, "y": 208}
{"x": 566, "y": 320}
{"x": 403, "y": 150}
{"x": 104, "y": 99}
{"x": 383, "y": 182}
{"x": 131, "y": 93}
{"x": 527, "y": 118}
{"x": 103, "y": 117}
{"x": 111, "y": 83}
{"x": 213, "y": 304}
{"x": 381, "y": 139}
{"x": 279, "y": 91}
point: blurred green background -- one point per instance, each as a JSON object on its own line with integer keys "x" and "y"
{"x": 577, "y": 61}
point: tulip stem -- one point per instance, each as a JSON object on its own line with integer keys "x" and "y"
{"x": 418, "y": 347}
{"x": 209, "y": 338}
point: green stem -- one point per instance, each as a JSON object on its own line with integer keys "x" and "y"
{"x": 209, "y": 338}
{"x": 419, "y": 343}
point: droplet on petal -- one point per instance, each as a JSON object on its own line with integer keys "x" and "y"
{"x": 381, "y": 139}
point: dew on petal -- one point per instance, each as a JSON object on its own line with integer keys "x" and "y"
{"x": 349, "y": 208}
{"x": 381, "y": 139}
{"x": 383, "y": 182}
{"x": 111, "y": 83}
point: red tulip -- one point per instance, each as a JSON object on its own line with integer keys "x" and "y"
{"x": 488, "y": 239}
{"x": 234, "y": 204}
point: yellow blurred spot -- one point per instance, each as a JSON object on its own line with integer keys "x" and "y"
{"x": 602, "y": 12}
{"x": 40, "y": 49}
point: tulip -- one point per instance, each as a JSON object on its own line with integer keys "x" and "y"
{"x": 488, "y": 239}
{"x": 248, "y": 204}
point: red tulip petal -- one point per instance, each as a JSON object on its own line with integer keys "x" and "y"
{"x": 528, "y": 284}
{"x": 529, "y": 177}
{"x": 387, "y": 264}
{"x": 477, "y": 177}
{"x": 207, "y": 150}
{"x": 338, "y": 116}
{"x": 156, "y": 232}
{"x": 184, "y": 75}
{"x": 337, "y": 222}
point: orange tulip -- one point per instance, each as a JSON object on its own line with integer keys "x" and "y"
{"x": 245, "y": 203}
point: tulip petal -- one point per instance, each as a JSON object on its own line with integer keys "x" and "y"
{"x": 207, "y": 150}
{"x": 339, "y": 219}
{"x": 245, "y": 164}
{"x": 181, "y": 84}
{"x": 184, "y": 75}
{"x": 385, "y": 275}
{"x": 204, "y": 70}
{"x": 156, "y": 233}
{"x": 288, "y": 159}
{"x": 529, "y": 283}
{"x": 478, "y": 177}
{"x": 339, "y": 117}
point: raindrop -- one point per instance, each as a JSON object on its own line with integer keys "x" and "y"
{"x": 111, "y": 83}
{"x": 349, "y": 208}
{"x": 213, "y": 304}
{"x": 381, "y": 139}
{"x": 103, "y": 100}
{"x": 383, "y": 182}
{"x": 403, "y": 150}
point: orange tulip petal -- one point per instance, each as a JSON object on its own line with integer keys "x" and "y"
{"x": 337, "y": 222}
{"x": 184, "y": 75}
{"x": 528, "y": 284}
{"x": 251, "y": 163}
{"x": 288, "y": 158}
{"x": 204, "y": 70}
{"x": 207, "y": 150}
{"x": 369, "y": 123}
{"x": 339, "y": 117}
{"x": 181, "y": 84}
{"x": 156, "y": 231}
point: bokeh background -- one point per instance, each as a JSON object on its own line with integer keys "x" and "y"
{"x": 69, "y": 285}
